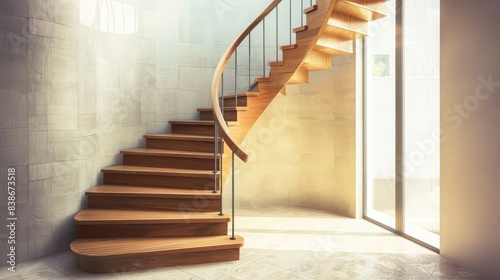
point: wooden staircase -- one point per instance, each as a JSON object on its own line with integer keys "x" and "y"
{"x": 329, "y": 30}
{"x": 159, "y": 208}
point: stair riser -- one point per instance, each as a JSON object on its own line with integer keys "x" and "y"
{"x": 314, "y": 19}
{"x": 242, "y": 101}
{"x": 334, "y": 45}
{"x": 230, "y": 116}
{"x": 193, "y": 129}
{"x": 317, "y": 61}
{"x": 347, "y": 26}
{"x": 179, "y": 145}
{"x": 117, "y": 265}
{"x": 197, "y": 204}
{"x": 301, "y": 76}
{"x": 150, "y": 230}
{"x": 170, "y": 162}
{"x": 289, "y": 55}
{"x": 159, "y": 181}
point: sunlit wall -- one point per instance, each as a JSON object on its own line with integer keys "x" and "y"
{"x": 81, "y": 80}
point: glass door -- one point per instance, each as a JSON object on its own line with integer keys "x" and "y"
{"x": 421, "y": 120}
{"x": 380, "y": 116}
{"x": 402, "y": 136}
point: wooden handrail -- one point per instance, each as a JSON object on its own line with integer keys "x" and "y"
{"x": 221, "y": 66}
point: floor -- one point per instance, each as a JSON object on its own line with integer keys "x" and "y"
{"x": 287, "y": 243}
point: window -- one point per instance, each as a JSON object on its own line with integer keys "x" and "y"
{"x": 380, "y": 116}
{"x": 109, "y": 16}
{"x": 402, "y": 121}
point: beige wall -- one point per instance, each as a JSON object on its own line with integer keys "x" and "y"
{"x": 470, "y": 151}
{"x": 304, "y": 146}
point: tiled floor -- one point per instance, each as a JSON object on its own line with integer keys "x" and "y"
{"x": 288, "y": 243}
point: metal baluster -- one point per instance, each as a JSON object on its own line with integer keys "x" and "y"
{"x": 222, "y": 94}
{"x": 232, "y": 200}
{"x": 216, "y": 136}
{"x": 277, "y": 33}
{"x": 291, "y": 22}
{"x": 301, "y": 12}
{"x": 216, "y": 152}
{"x": 264, "y": 47}
{"x": 249, "y": 61}
{"x": 236, "y": 77}
{"x": 220, "y": 181}
{"x": 217, "y": 144}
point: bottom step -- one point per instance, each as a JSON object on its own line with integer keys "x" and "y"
{"x": 106, "y": 255}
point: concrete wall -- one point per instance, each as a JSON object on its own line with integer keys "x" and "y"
{"x": 14, "y": 120}
{"x": 77, "y": 86}
{"x": 72, "y": 97}
{"x": 304, "y": 146}
{"x": 470, "y": 151}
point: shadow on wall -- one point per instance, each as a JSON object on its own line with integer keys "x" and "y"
{"x": 304, "y": 146}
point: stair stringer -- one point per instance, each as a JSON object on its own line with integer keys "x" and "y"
{"x": 306, "y": 41}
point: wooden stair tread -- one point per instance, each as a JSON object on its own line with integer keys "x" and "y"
{"x": 352, "y": 8}
{"x": 231, "y": 108}
{"x": 161, "y": 152}
{"x": 125, "y": 169}
{"x": 245, "y": 94}
{"x": 300, "y": 29}
{"x": 275, "y": 63}
{"x": 198, "y": 122}
{"x": 187, "y": 137}
{"x": 140, "y": 191}
{"x": 331, "y": 51}
{"x": 264, "y": 79}
{"x": 311, "y": 9}
{"x": 127, "y": 247}
{"x": 288, "y": 47}
{"x": 195, "y": 122}
{"x": 135, "y": 217}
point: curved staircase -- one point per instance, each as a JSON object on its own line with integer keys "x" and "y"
{"x": 162, "y": 207}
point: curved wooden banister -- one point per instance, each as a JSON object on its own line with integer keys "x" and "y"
{"x": 221, "y": 66}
